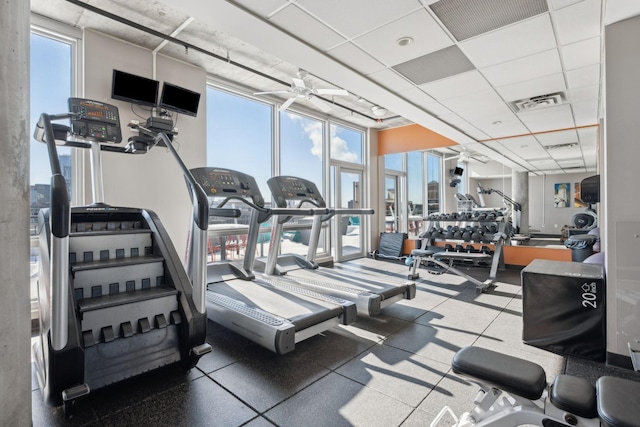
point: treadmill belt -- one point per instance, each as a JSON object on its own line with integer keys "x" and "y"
{"x": 300, "y": 310}
{"x": 362, "y": 282}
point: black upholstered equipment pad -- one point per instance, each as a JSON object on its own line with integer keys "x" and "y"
{"x": 575, "y": 395}
{"x": 618, "y": 400}
{"x": 502, "y": 371}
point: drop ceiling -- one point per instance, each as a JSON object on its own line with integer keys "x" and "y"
{"x": 467, "y": 64}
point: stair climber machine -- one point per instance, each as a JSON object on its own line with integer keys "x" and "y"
{"x": 370, "y": 293}
{"x": 273, "y": 313}
{"x": 114, "y": 298}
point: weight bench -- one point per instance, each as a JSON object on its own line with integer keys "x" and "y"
{"x": 420, "y": 255}
{"x": 514, "y": 391}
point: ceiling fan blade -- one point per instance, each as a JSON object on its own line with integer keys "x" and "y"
{"x": 320, "y": 104}
{"x": 340, "y": 92}
{"x": 272, "y": 92}
{"x": 287, "y": 103}
{"x": 298, "y": 82}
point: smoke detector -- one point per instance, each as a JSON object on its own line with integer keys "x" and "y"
{"x": 537, "y": 102}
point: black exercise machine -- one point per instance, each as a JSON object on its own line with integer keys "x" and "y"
{"x": 515, "y": 392}
{"x": 114, "y": 299}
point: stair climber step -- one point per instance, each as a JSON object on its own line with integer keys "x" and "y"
{"x": 110, "y": 317}
{"x": 112, "y": 277}
{"x": 102, "y": 246}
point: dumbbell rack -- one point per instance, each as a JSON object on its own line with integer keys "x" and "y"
{"x": 499, "y": 238}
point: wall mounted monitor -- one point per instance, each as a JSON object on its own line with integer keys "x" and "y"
{"x": 590, "y": 189}
{"x": 457, "y": 171}
{"x": 180, "y": 100}
{"x": 135, "y": 89}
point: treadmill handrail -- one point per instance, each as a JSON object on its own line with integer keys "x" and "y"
{"x": 299, "y": 211}
{"x": 347, "y": 211}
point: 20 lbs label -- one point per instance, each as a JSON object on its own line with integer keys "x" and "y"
{"x": 589, "y": 295}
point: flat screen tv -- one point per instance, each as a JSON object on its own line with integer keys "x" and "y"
{"x": 590, "y": 189}
{"x": 457, "y": 171}
{"x": 180, "y": 100}
{"x": 135, "y": 89}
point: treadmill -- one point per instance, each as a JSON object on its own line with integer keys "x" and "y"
{"x": 370, "y": 292}
{"x": 273, "y": 313}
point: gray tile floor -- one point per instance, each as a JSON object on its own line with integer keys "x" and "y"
{"x": 391, "y": 370}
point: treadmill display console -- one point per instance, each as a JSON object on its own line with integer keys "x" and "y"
{"x": 218, "y": 182}
{"x": 95, "y": 121}
{"x": 285, "y": 188}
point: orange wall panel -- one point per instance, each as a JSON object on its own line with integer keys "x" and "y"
{"x": 410, "y": 138}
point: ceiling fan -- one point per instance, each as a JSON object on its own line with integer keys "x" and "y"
{"x": 302, "y": 89}
{"x": 468, "y": 155}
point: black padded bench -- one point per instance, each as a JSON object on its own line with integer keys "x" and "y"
{"x": 614, "y": 400}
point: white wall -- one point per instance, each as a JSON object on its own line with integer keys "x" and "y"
{"x": 151, "y": 181}
{"x": 543, "y": 215}
{"x": 544, "y": 218}
{"x": 620, "y": 171}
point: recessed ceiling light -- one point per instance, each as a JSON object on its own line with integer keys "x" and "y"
{"x": 497, "y": 122}
{"x": 404, "y": 41}
{"x": 378, "y": 111}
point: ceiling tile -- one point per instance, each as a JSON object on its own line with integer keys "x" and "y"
{"x": 559, "y": 4}
{"x": 527, "y": 147}
{"x": 354, "y": 57}
{"x": 571, "y": 163}
{"x": 557, "y": 138}
{"x": 298, "y": 22}
{"x": 578, "y": 22}
{"x": 436, "y": 65}
{"x": 437, "y": 109}
{"x": 456, "y": 121}
{"x": 500, "y": 125}
{"x": 523, "y": 69}
{"x": 477, "y": 134}
{"x": 458, "y": 85}
{"x": 585, "y": 113}
{"x": 584, "y": 93}
{"x": 620, "y": 10}
{"x": 466, "y": 19}
{"x": 581, "y": 54}
{"x": 516, "y": 41}
{"x": 391, "y": 80}
{"x": 355, "y": 17}
{"x": 427, "y": 37}
{"x": 530, "y": 88}
{"x": 486, "y": 99}
{"x": 586, "y": 76}
{"x": 417, "y": 96}
{"x": 589, "y": 136}
{"x": 550, "y": 118}
{"x": 566, "y": 153}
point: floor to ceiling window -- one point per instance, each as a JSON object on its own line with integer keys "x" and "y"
{"x": 248, "y": 135}
{"x": 415, "y": 191}
{"x": 239, "y": 137}
{"x": 434, "y": 182}
{"x": 412, "y": 189}
{"x": 52, "y": 82}
{"x": 302, "y": 141}
{"x": 347, "y": 184}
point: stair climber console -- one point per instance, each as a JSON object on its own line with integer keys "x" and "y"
{"x": 114, "y": 298}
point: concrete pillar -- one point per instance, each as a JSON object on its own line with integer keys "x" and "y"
{"x": 520, "y": 194}
{"x": 15, "y": 322}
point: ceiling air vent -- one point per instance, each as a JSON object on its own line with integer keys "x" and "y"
{"x": 537, "y": 102}
{"x": 561, "y": 146}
